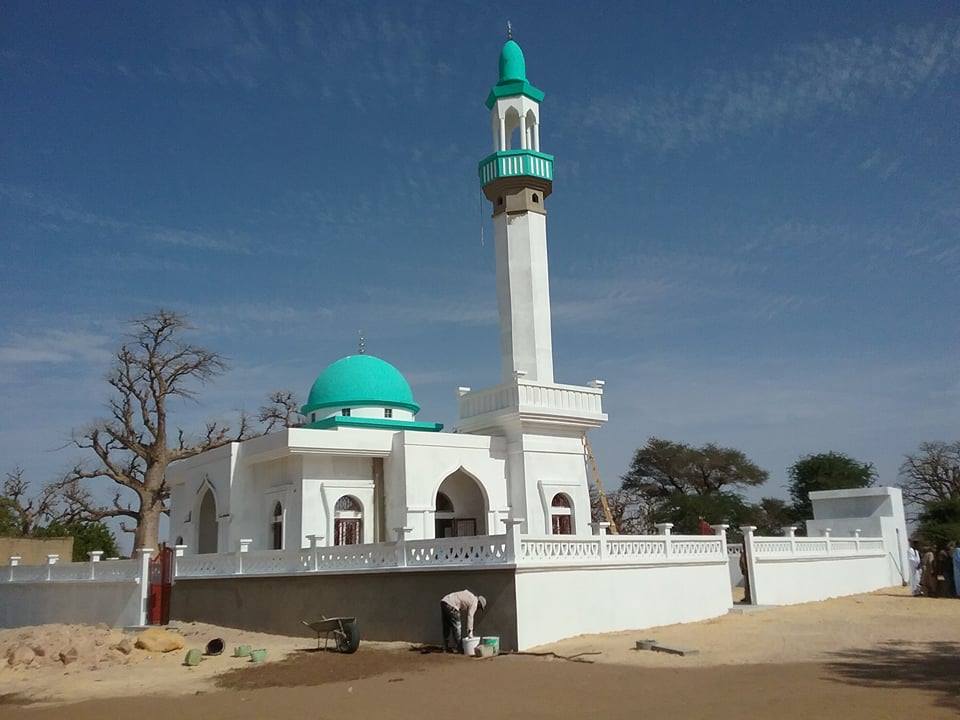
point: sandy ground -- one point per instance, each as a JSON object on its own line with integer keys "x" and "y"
{"x": 101, "y": 672}
{"x": 811, "y": 632}
{"x": 883, "y": 655}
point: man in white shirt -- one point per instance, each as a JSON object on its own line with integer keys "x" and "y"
{"x": 456, "y": 607}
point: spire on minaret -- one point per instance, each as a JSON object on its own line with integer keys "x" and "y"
{"x": 509, "y": 31}
{"x": 361, "y": 344}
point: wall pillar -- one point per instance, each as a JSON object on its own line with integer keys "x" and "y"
{"x": 665, "y": 530}
{"x": 144, "y": 583}
{"x": 401, "y": 546}
{"x": 513, "y": 538}
{"x": 748, "y": 531}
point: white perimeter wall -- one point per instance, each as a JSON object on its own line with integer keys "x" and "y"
{"x": 115, "y": 603}
{"x": 558, "y": 603}
{"x": 786, "y": 581}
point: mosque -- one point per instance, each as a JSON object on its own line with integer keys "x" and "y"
{"x": 363, "y": 468}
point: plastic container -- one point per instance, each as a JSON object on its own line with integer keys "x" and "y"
{"x": 492, "y": 641}
{"x": 470, "y": 645}
{"x": 193, "y": 657}
{"x": 242, "y": 651}
{"x": 258, "y": 656}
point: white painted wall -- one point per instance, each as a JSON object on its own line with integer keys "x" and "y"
{"x": 553, "y": 604}
{"x": 787, "y": 581}
{"x": 523, "y": 295}
{"x": 876, "y": 511}
{"x": 115, "y": 603}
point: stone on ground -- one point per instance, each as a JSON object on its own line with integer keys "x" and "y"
{"x": 21, "y": 655}
{"x": 125, "y": 646}
{"x": 157, "y": 640}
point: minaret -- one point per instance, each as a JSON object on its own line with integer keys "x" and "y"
{"x": 542, "y": 423}
{"x": 517, "y": 179}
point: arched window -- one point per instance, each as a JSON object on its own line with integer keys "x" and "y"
{"x": 347, "y": 521}
{"x": 276, "y": 527}
{"x": 536, "y": 198}
{"x": 179, "y": 539}
{"x": 561, "y": 515}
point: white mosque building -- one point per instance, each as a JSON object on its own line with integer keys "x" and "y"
{"x": 364, "y": 468}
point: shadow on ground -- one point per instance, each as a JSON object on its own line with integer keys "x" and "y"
{"x": 932, "y": 666}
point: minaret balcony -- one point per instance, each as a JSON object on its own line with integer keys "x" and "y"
{"x": 515, "y": 163}
{"x": 548, "y": 403}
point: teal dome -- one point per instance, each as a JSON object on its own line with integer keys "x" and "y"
{"x": 513, "y": 67}
{"x": 358, "y": 380}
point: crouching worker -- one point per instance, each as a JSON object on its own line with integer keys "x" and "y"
{"x": 456, "y": 608}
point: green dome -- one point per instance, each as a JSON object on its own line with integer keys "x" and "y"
{"x": 360, "y": 380}
{"x": 513, "y": 67}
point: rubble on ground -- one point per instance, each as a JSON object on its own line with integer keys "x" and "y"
{"x": 65, "y": 646}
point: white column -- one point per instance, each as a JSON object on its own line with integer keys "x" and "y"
{"x": 790, "y": 531}
{"x": 314, "y": 553}
{"x": 401, "y": 546}
{"x": 665, "y": 529}
{"x": 503, "y": 133}
{"x": 748, "y": 531}
{"x": 243, "y": 547}
{"x": 856, "y": 535}
{"x": 51, "y": 561}
{"x": 524, "y": 134}
{"x": 721, "y": 530}
{"x": 144, "y": 582}
{"x": 95, "y": 557}
{"x": 600, "y": 529}
{"x": 536, "y": 136}
{"x": 14, "y": 561}
{"x": 178, "y": 552}
{"x": 513, "y": 538}
{"x": 523, "y": 296}
{"x": 826, "y": 536}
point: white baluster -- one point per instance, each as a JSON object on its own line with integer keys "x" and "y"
{"x": 95, "y": 557}
{"x": 314, "y": 551}
{"x": 665, "y": 529}
{"x": 243, "y": 548}
{"x": 513, "y": 538}
{"x": 401, "y": 546}
{"x": 51, "y": 561}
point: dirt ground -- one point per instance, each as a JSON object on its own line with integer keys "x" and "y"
{"x": 883, "y": 655}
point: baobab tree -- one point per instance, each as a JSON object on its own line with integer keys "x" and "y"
{"x": 133, "y": 447}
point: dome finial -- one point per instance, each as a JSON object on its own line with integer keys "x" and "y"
{"x": 362, "y": 344}
{"x": 509, "y": 31}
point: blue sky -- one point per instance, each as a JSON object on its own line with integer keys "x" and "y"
{"x": 753, "y": 233}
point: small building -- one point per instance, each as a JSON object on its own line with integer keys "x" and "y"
{"x": 873, "y": 511}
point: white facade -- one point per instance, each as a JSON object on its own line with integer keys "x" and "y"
{"x": 875, "y": 511}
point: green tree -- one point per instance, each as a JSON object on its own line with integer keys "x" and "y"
{"x": 771, "y": 515}
{"x": 678, "y": 483}
{"x": 825, "y": 471}
{"x": 662, "y": 468}
{"x": 87, "y": 536}
{"x": 939, "y": 523}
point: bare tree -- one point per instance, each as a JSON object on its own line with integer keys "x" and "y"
{"x": 132, "y": 447}
{"x": 931, "y": 474}
{"x": 28, "y": 511}
{"x": 281, "y": 411}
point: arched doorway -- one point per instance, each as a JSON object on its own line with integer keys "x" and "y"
{"x": 461, "y": 508}
{"x": 207, "y": 524}
{"x": 561, "y": 515}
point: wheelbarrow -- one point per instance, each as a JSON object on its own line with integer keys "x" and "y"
{"x": 344, "y": 631}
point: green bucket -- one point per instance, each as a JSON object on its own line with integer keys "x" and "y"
{"x": 258, "y": 656}
{"x": 242, "y": 651}
{"x": 193, "y": 657}
{"x": 492, "y": 641}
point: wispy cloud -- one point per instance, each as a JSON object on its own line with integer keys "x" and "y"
{"x": 56, "y": 347}
{"x": 839, "y": 75}
{"x": 58, "y": 214}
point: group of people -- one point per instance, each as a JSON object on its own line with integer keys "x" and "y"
{"x": 935, "y": 572}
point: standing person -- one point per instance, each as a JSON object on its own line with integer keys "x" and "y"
{"x": 454, "y": 609}
{"x": 746, "y": 576}
{"x": 945, "y": 572}
{"x": 956, "y": 568}
{"x": 928, "y": 575}
{"x": 703, "y": 527}
{"x": 913, "y": 560}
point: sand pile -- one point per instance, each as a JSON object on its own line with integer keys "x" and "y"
{"x": 80, "y": 646}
